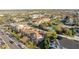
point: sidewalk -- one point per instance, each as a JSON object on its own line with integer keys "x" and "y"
{"x": 71, "y": 38}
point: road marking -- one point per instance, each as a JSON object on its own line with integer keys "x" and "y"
{"x": 5, "y": 43}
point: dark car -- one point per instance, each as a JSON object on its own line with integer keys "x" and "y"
{"x": 1, "y": 33}
{"x": 11, "y": 41}
{"x": 59, "y": 37}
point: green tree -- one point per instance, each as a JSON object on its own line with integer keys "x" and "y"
{"x": 73, "y": 31}
{"x": 46, "y": 42}
{"x": 58, "y": 28}
{"x": 49, "y": 35}
{"x": 69, "y": 32}
{"x": 30, "y": 44}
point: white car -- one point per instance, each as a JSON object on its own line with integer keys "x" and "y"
{"x": 21, "y": 45}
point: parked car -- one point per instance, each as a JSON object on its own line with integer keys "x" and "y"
{"x": 54, "y": 46}
{"x": 1, "y": 42}
{"x": 1, "y": 33}
{"x": 11, "y": 41}
{"x": 59, "y": 37}
{"x": 21, "y": 45}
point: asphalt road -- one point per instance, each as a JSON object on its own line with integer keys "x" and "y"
{"x": 69, "y": 44}
{"x": 6, "y": 39}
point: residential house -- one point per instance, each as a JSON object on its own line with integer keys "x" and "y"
{"x": 38, "y": 21}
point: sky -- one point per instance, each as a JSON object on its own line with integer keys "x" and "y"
{"x": 39, "y": 4}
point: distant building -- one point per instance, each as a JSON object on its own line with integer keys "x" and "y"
{"x": 17, "y": 19}
{"x": 34, "y": 34}
{"x": 36, "y": 15}
{"x": 38, "y": 21}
